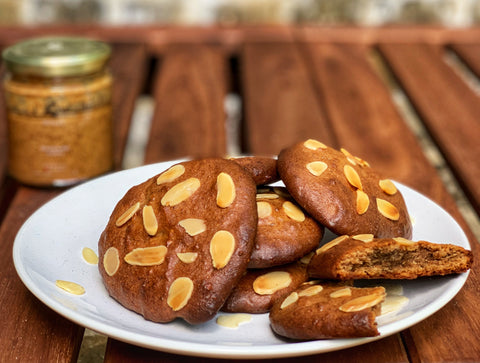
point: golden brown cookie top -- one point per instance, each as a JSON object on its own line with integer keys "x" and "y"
{"x": 285, "y": 232}
{"x": 319, "y": 311}
{"x": 263, "y": 169}
{"x": 342, "y": 191}
{"x": 259, "y": 289}
{"x": 176, "y": 244}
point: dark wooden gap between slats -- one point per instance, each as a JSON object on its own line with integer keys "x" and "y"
{"x": 32, "y": 329}
{"x": 189, "y": 118}
{"x": 470, "y": 54}
{"x": 447, "y": 106}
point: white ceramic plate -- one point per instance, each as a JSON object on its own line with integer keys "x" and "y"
{"x": 49, "y": 246}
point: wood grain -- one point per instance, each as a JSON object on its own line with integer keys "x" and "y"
{"x": 189, "y": 117}
{"x": 280, "y": 102}
{"x": 129, "y": 68}
{"x": 447, "y": 106}
{"x": 388, "y": 350}
{"x": 30, "y": 330}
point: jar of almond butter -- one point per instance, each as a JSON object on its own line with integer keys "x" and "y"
{"x": 58, "y": 101}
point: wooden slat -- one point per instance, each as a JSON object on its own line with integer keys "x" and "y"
{"x": 3, "y": 129}
{"x": 30, "y": 330}
{"x": 363, "y": 111}
{"x": 129, "y": 68}
{"x": 190, "y": 86}
{"x": 280, "y": 102}
{"x": 373, "y": 353}
{"x": 363, "y": 117}
{"x": 447, "y": 106}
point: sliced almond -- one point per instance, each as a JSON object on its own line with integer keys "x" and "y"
{"x": 310, "y": 291}
{"x": 233, "y": 320}
{"x": 271, "y": 282}
{"x": 124, "y": 218}
{"x": 289, "y": 300}
{"x": 146, "y": 256}
{"x": 89, "y": 256}
{"x": 180, "y": 192}
{"x": 367, "y": 237}
{"x": 362, "y": 302}
{"x": 361, "y": 162}
{"x": 264, "y": 209}
{"x": 282, "y": 192}
{"x": 346, "y": 291}
{"x": 404, "y": 241}
{"x": 317, "y": 167}
{"x": 345, "y": 152}
{"x": 331, "y": 244}
{"x": 171, "y": 174}
{"x": 111, "y": 261}
{"x": 70, "y": 287}
{"x": 222, "y": 246}
{"x": 387, "y": 186}
{"x": 293, "y": 212}
{"x": 387, "y": 209}
{"x": 267, "y": 196}
{"x": 362, "y": 202}
{"x": 187, "y": 257}
{"x": 306, "y": 259}
{"x": 225, "y": 190}
{"x": 314, "y": 144}
{"x": 149, "y": 220}
{"x": 193, "y": 226}
{"x": 179, "y": 293}
{"x": 352, "y": 176}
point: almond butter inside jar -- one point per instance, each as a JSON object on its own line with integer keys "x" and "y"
{"x": 59, "y": 112}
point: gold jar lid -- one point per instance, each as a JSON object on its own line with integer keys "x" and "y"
{"x": 56, "y": 56}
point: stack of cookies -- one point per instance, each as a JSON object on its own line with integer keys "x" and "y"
{"x": 209, "y": 235}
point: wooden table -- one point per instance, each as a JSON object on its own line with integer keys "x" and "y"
{"x": 332, "y": 84}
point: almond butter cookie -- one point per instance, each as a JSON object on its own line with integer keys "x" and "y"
{"x": 285, "y": 232}
{"x": 263, "y": 169}
{"x": 342, "y": 191}
{"x": 259, "y": 289}
{"x": 322, "y": 311}
{"x": 176, "y": 245}
{"x": 365, "y": 257}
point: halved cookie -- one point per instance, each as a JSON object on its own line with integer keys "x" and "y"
{"x": 365, "y": 257}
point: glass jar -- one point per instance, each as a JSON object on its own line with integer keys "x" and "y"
{"x": 59, "y": 112}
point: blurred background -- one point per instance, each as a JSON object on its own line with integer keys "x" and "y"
{"x": 453, "y": 13}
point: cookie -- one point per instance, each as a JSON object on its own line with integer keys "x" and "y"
{"x": 365, "y": 257}
{"x": 263, "y": 169}
{"x": 258, "y": 290}
{"x": 285, "y": 232}
{"x": 175, "y": 245}
{"x": 318, "y": 311}
{"x": 342, "y": 191}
